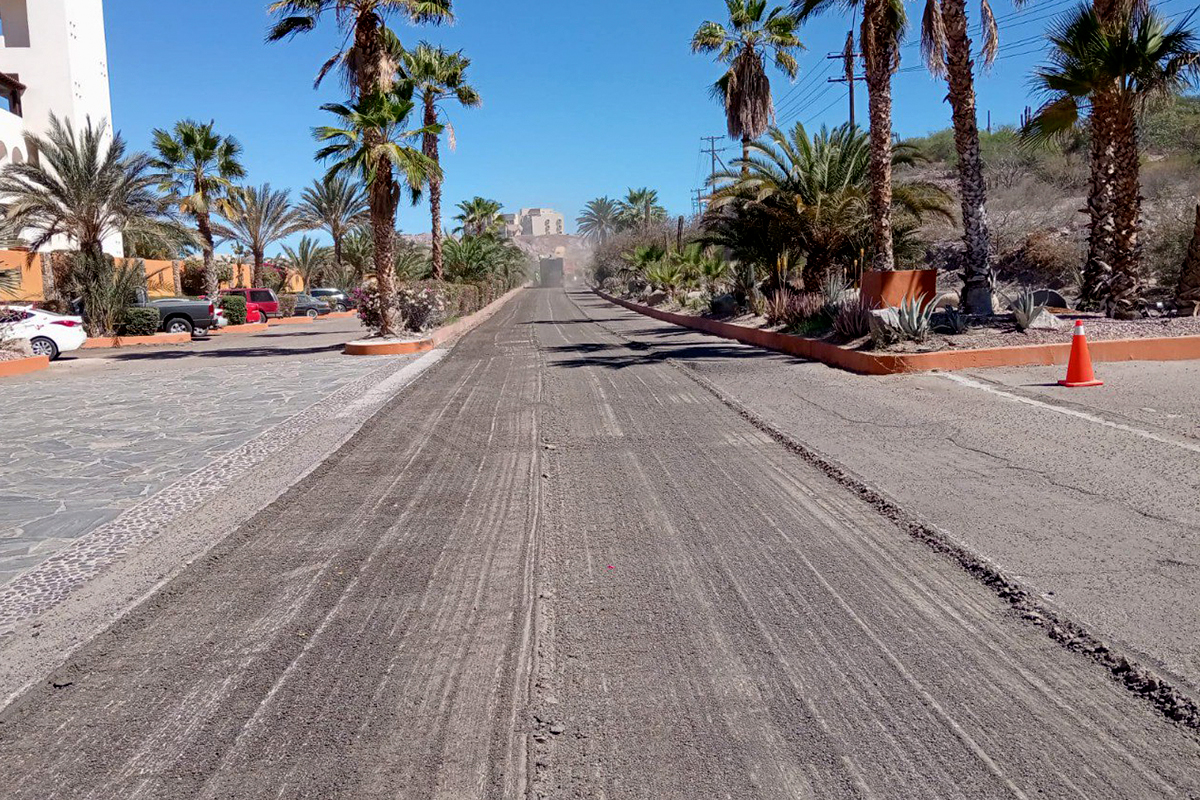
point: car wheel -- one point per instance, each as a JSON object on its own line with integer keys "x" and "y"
{"x": 41, "y": 346}
{"x": 262, "y": 317}
{"x": 312, "y": 313}
{"x": 179, "y": 325}
{"x": 341, "y": 306}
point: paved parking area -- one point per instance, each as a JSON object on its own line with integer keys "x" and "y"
{"x": 102, "y": 431}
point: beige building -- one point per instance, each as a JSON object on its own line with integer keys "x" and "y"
{"x": 534, "y": 222}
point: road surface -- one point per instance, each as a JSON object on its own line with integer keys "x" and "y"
{"x": 556, "y": 566}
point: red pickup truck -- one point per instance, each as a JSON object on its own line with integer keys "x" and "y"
{"x": 261, "y": 304}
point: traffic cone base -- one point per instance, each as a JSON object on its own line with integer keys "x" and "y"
{"x": 1079, "y": 367}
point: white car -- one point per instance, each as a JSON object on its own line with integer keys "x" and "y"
{"x": 49, "y": 334}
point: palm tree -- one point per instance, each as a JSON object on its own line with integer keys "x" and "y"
{"x": 197, "y": 168}
{"x": 86, "y": 188}
{"x": 947, "y": 49}
{"x": 436, "y": 76}
{"x": 601, "y": 218}
{"x": 478, "y": 217}
{"x": 1187, "y": 291}
{"x": 258, "y": 217}
{"x": 883, "y": 26}
{"x": 367, "y": 61}
{"x": 810, "y": 195}
{"x": 370, "y": 144}
{"x": 640, "y": 209}
{"x": 1125, "y": 63}
{"x": 336, "y": 206}
{"x": 358, "y": 251}
{"x": 745, "y": 89}
{"x": 308, "y": 259}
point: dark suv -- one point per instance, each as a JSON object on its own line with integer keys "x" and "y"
{"x": 336, "y": 297}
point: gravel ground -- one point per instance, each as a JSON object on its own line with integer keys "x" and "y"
{"x": 559, "y": 567}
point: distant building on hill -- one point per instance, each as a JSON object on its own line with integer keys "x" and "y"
{"x": 533, "y": 222}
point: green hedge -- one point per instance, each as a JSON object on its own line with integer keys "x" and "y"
{"x": 234, "y": 307}
{"x": 287, "y": 305}
{"x": 140, "y": 322}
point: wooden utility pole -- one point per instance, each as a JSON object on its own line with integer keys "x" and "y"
{"x": 847, "y": 56}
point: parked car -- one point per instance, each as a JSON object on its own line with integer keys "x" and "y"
{"x": 265, "y": 300}
{"x": 175, "y": 314}
{"x": 48, "y": 334}
{"x": 312, "y": 307}
{"x": 339, "y": 299}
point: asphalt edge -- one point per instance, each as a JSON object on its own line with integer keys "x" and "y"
{"x": 1166, "y": 698}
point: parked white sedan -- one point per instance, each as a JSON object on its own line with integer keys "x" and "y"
{"x": 49, "y": 334}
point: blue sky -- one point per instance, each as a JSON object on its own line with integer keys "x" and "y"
{"x": 580, "y": 98}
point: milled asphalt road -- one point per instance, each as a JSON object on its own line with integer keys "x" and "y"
{"x": 555, "y": 566}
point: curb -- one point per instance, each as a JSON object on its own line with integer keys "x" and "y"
{"x": 290, "y": 321}
{"x": 23, "y": 366}
{"x": 1173, "y": 348}
{"x": 106, "y": 342}
{"x": 249, "y": 327}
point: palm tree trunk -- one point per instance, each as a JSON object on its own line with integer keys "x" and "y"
{"x": 258, "y": 276}
{"x": 978, "y": 278}
{"x": 1125, "y": 289}
{"x": 435, "y": 190}
{"x": 880, "y": 57}
{"x": 212, "y": 286}
{"x": 746, "y": 140}
{"x": 1097, "y": 271}
{"x": 177, "y": 277}
{"x": 1187, "y": 293}
{"x": 384, "y": 195}
{"x": 337, "y": 252}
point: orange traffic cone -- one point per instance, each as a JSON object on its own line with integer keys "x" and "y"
{"x": 1079, "y": 368}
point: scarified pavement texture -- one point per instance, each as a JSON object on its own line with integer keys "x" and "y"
{"x": 544, "y": 573}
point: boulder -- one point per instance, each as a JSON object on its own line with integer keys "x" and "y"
{"x": 1045, "y": 321}
{"x": 724, "y": 305}
{"x": 655, "y": 298}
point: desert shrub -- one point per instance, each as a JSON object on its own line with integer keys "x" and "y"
{"x": 776, "y": 308}
{"x": 140, "y": 322}
{"x": 421, "y": 307}
{"x": 287, "y": 305}
{"x": 234, "y": 307}
{"x": 806, "y": 312}
{"x": 853, "y": 318}
{"x": 367, "y": 300}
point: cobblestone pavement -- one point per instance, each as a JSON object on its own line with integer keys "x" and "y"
{"x": 101, "y": 433}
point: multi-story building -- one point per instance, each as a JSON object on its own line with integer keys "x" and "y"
{"x": 533, "y": 222}
{"x": 53, "y": 59}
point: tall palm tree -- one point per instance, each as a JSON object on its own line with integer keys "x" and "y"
{"x": 640, "y": 208}
{"x": 370, "y": 144}
{"x": 478, "y": 216}
{"x": 196, "y": 168}
{"x": 308, "y": 259}
{"x": 601, "y": 218}
{"x": 745, "y": 89}
{"x": 336, "y": 206}
{"x": 1124, "y": 63}
{"x": 436, "y": 76}
{"x": 883, "y": 25}
{"x": 256, "y": 218}
{"x": 947, "y": 49}
{"x": 86, "y": 188}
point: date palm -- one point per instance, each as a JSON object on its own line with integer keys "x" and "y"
{"x": 437, "y": 76}
{"x": 196, "y": 169}
{"x": 1125, "y": 63}
{"x": 946, "y": 46}
{"x": 86, "y": 188}
{"x": 358, "y": 251}
{"x": 308, "y": 259}
{"x": 256, "y": 218}
{"x": 601, "y": 218}
{"x": 753, "y": 33}
{"x": 640, "y": 208}
{"x": 336, "y": 206}
{"x": 883, "y": 25}
{"x": 371, "y": 143}
{"x": 478, "y": 216}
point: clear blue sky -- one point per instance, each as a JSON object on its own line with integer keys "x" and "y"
{"x": 580, "y": 98}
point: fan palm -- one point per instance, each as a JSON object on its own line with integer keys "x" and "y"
{"x": 86, "y": 188}
{"x": 196, "y": 168}
{"x": 883, "y": 25}
{"x": 436, "y": 76}
{"x": 947, "y": 49}
{"x": 809, "y": 194}
{"x": 1126, "y": 63}
{"x": 256, "y": 218}
{"x": 745, "y": 89}
{"x": 370, "y": 144}
{"x": 478, "y": 217}
{"x": 640, "y": 209}
{"x": 336, "y": 206}
{"x": 601, "y": 218}
{"x": 308, "y": 259}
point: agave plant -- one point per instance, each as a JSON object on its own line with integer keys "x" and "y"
{"x": 952, "y": 320}
{"x": 853, "y": 318}
{"x": 1025, "y": 310}
{"x": 913, "y": 318}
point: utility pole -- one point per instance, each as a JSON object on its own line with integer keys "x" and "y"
{"x": 847, "y": 56}
{"x": 712, "y": 150}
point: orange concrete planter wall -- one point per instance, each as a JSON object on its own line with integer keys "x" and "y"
{"x": 249, "y": 327}
{"x": 289, "y": 320}
{"x": 388, "y": 348}
{"x": 1178, "y": 348}
{"x": 435, "y": 338}
{"x": 93, "y": 343}
{"x": 882, "y": 289}
{"x": 23, "y": 366}
{"x": 340, "y": 315}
